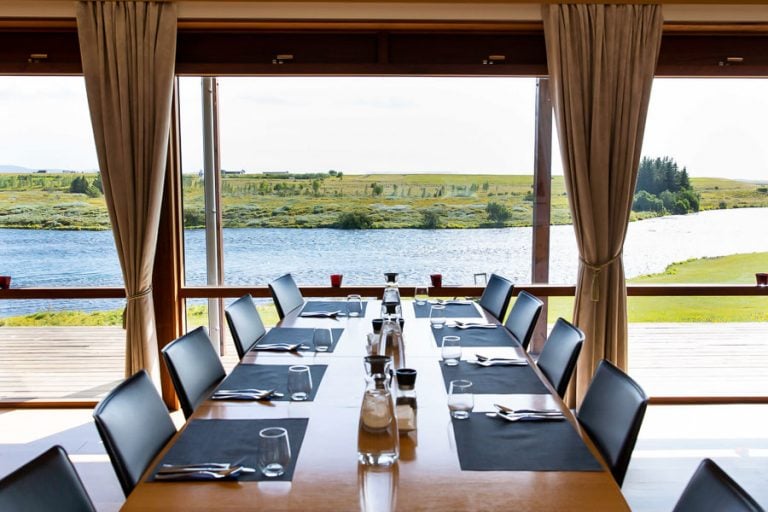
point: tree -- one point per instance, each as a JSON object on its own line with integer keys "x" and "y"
{"x": 315, "y": 186}
{"x": 376, "y": 189}
{"x": 497, "y": 213}
{"x": 98, "y": 184}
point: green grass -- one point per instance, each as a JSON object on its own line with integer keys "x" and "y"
{"x": 255, "y": 200}
{"x": 733, "y": 269}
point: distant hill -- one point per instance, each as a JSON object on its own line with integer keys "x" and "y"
{"x": 17, "y": 169}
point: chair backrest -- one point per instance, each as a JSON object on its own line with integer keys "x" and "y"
{"x": 712, "y": 490}
{"x": 496, "y": 295}
{"x": 195, "y": 368}
{"x": 134, "y": 425}
{"x": 523, "y": 317}
{"x": 286, "y": 295}
{"x": 611, "y": 413}
{"x": 48, "y": 482}
{"x": 244, "y": 323}
{"x": 560, "y": 353}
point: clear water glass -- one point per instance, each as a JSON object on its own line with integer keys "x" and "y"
{"x": 461, "y": 401}
{"x": 299, "y": 382}
{"x": 274, "y": 451}
{"x": 437, "y": 316}
{"x": 420, "y": 295}
{"x": 451, "y": 350}
{"x": 354, "y": 305}
{"x": 322, "y": 339}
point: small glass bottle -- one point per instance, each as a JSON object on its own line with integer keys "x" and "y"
{"x": 406, "y": 405}
{"x": 378, "y": 441}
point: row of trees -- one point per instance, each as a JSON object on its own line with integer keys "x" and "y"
{"x": 662, "y": 187}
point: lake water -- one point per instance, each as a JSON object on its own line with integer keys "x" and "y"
{"x": 256, "y": 256}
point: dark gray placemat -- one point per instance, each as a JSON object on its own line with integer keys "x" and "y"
{"x": 451, "y": 310}
{"x": 232, "y": 441}
{"x": 301, "y": 335}
{"x": 313, "y": 306}
{"x": 496, "y": 380}
{"x": 498, "y": 337}
{"x": 495, "y": 444}
{"x": 270, "y": 376}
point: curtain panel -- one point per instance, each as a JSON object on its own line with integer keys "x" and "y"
{"x": 601, "y": 62}
{"x": 128, "y": 51}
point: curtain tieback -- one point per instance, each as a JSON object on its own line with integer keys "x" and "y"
{"x": 138, "y": 295}
{"x": 596, "y": 268}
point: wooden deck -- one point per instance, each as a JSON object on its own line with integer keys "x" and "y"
{"x": 84, "y": 363}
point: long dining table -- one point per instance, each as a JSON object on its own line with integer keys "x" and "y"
{"x": 428, "y": 474}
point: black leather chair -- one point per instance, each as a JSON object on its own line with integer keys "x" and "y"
{"x": 611, "y": 413}
{"x": 134, "y": 425}
{"x": 49, "y": 482}
{"x": 244, "y": 323}
{"x": 712, "y": 490}
{"x": 560, "y": 353}
{"x": 286, "y": 295}
{"x": 496, "y": 296}
{"x": 195, "y": 368}
{"x": 523, "y": 317}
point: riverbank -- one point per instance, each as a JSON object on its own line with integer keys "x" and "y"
{"x": 735, "y": 269}
{"x": 377, "y": 201}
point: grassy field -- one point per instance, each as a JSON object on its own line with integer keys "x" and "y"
{"x": 735, "y": 269}
{"x": 42, "y": 201}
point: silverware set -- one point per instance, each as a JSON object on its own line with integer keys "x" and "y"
{"x": 246, "y": 394}
{"x": 322, "y": 314}
{"x": 513, "y": 415}
{"x": 499, "y": 361}
{"x": 202, "y": 471}
{"x": 471, "y": 325}
{"x": 279, "y": 347}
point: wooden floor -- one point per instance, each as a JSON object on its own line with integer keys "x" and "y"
{"x": 666, "y": 359}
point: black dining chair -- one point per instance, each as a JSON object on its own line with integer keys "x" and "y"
{"x": 496, "y": 296}
{"x": 286, "y": 295}
{"x": 47, "y": 483}
{"x": 195, "y": 368}
{"x": 244, "y": 323}
{"x": 712, "y": 490}
{"x": 523, "y": 317}
{"x": 560, "y": 353}
{"x": 611, "y": 413}
{"x": 134, "y": 426}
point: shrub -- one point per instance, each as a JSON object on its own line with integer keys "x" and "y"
{"x": 647, "y": 202}
{"x": 497, "y": 213}
{"x": 354, "y": 220}
{"x": 430, "y": 219}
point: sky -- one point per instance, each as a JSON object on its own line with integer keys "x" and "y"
{"x": 715, "y": 128}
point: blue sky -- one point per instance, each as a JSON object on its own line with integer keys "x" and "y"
{"x": 467, "y": 125}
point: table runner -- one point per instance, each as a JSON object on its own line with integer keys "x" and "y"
{"x": 496, "y": 380}
{"x": 495, "y": 444}
{"x": 232, "y": 441}
{"x": 451, "y": 310}
{"x": 498, "y": 337}
{"x": 313, "y": 306}
{"x": 270, "y": 376}
{"x": 301, "y": 335}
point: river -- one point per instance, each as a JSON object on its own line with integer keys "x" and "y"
{"x": 255, "y": 256}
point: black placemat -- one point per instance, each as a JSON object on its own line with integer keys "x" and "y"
{"x": 451, "y": 310}
{"x": 496, "y": 380}
{"x": 313, "y": 306}
{"x": 498, "y": 337}
{"x": 301, "y": 335}
{"x": 494, "y": 444}
{"x": 232, "y": 441}
{"x": 270, "y": 376}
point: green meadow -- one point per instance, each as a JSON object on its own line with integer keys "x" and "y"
{"x": 378, "y": 201}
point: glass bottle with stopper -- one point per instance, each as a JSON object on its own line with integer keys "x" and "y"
{"x": 406, "y": 400}
{"x": 377, "y": 435}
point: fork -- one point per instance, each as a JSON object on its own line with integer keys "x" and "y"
{"x": 531, "y": 417}
{"x": 196, "y": 474}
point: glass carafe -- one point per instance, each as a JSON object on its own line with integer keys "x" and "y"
{"x": 378, "y": 441}
{"x": 391, "y": 341}
{"x": 391, "y": 297}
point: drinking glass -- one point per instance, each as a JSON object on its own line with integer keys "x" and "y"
{"x": 354, "y": 305}
{"x": 451, "y": 350}
{"x": 461, "y": 401}
{"x": 274, "y": 451}
{"x": 322, "y": 339}
{"x": 299, "y": 382}
{"x": 437, "y": 316}
{"x": 372, "y": 344}
{"x": 420, "y": 295}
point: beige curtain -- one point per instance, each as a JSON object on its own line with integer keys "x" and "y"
{"x": 128, "y": 51}
{"x": 601, "y": 62}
